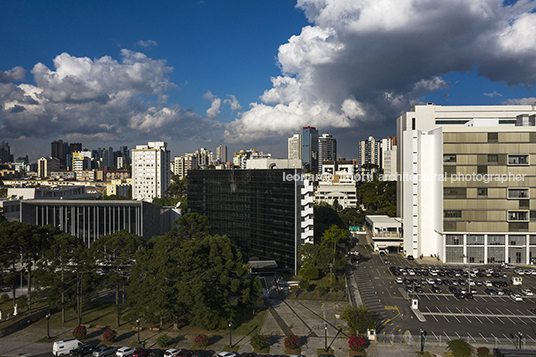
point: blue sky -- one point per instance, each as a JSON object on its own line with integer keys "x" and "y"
{"x": 250, "y": 73}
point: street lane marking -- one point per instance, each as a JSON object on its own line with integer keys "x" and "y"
{"x": 485, "y": 339}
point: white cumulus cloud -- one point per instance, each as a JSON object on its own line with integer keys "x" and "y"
{"x": 362, "y": 62}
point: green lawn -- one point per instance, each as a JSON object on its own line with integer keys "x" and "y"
{"x": 248, "y": 321}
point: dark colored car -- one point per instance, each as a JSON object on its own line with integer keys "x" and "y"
{"x": 459, "y": 296}
{"x": 419, "y": 290}
{"x": 453, "y": 290}
{"x": 82, "y": 350}
{"x": 103, "y": 351}
{"x": 436, "y": 289}
{"x": 468, "y": 296}
{"x": 141, "y": 352}
{"x": 410, "y": 258}
{"x": 156, "y": 353}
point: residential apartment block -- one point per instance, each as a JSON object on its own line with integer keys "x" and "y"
{"x": 151, "y": 174}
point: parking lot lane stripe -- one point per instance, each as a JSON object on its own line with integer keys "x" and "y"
{"x": 437, "y": 339}
{"x": 452, "y": 315}
{"x": 432, "y": 314}
{"x": 447, "y": 336}
{"x": 463, "y": 314}
{"x": 507, "y": 338}
{"x": 485, "y": 339}
{"x": 531, "y": 338}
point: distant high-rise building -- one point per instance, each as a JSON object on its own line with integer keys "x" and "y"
{"x": 150, "y": 171}
{"x": 310, "y": 148}
{"x": 75, "y": 147}
{"x": 5, "y": 152}
{"x": 369, "y": 154}
{"x": 46, "y": 165}
{"x": 327, "y": 149}
{"x": 221, "y": 154}
{"x": 59, "y": 150}
{"x": 388, "y": 158}
{"x": 182, "y": 164}
{"x": 295, "y": 147}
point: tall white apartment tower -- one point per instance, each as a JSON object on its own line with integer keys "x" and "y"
{"x": 294, "y": 147}
{"x": 151, "y": 175}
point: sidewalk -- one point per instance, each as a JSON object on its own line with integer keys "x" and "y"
{"x": 23, "y": 343}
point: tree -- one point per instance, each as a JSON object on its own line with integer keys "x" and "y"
{"x": 56, "y": 273}
{"x": 193, "y": 226}
{"x": 201, "y": 278}
{"x": 359, "y": 319}
{"x": 116, "y": 252}
{"x": 325, "y": 217}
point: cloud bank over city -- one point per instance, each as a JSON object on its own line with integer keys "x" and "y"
{"x": 366, "y": 61}
{"x": 357, "y": 64}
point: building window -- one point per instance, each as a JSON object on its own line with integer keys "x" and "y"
{"x": 518, "y": 215}
{"x": 475, "y": 240}
{"x": 493, "y": 159}
{"x": 493, "y": 137}
{"x": 453, "y": 239}
{"x": 413, "y": 124}
{"x": 449, "y": 158}
{"x": 533, "y": 216}
{"x": 495, "y": 240}
{"x": 451, "y": 192}
{"x": 518, "y": 193}
{"x": 481, "y": 169}
{"x": 482, "y": 192}
{"x": 524, "y": 204}
{"x": 516, "y": 240}
{"x": 518, "y": 159}
{"x": 452, "y": 214}
{"x": 518, "y": 226}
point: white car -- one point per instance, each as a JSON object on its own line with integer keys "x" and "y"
{"x": 526, "y": 292}
{"x": 125, "y": 351}
{"x": 399, "y": 280}
{"x": 488, "y": 283}
{"x": 517, "y": 297}
{"x": 172, "y": 352}
{"x": 226, "y": 354}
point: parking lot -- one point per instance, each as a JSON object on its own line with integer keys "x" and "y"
{"x": 498, "y": 311}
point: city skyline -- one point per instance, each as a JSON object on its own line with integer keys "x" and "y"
{"x": 201, "y": 74}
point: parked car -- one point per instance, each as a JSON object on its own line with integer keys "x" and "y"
{"x": 103, "y": 351}
{"x": 83, "y": 350}
{"x": 410, "y": 258}
{"x": 419, "y": 290}
{"x": 156, "y": 353}
{"x": 227, "y": 354}
{"x": 436, "y": 289}
{"x": 141, "y": 352}
{"x": 399, "y": 280}
{"x": 63, "y": 348}
{"x": 125, "y": 351}
{"x": 526, "y": 292}
{"x": 172, "y": 352}
{"x": 517, "y": 297}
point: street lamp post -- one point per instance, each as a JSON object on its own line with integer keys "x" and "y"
{"x": 230, "y": 332}
{"x": 48, "y": 325}
{"x": 325, "y": 337}
{"x": 138, "y": 321}
{"x": 423, "y": 333}
{"x": 520, "y": 335}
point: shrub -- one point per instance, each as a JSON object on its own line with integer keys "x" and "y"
{"x": 359, "y": 319}
{"x": 4, "y": 298}
{"x": 460, "y": 348}
{"x": 292, "y": 341}
{"x": 482, "y": 351}
{"x": 259, "y": 341}
{"x": 304, "y": 284}
{"x": 309, "y": 271}
{"x": 163, "y": 341}
{"x": 109, "y": 335}
{"x": 357, "y": 343}
{"x": 201, "y": 340}
{"x": 79, "y": 332}
{"x": 22, "y": 301}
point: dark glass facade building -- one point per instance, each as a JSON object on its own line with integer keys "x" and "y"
{"x": 254, "y": 208}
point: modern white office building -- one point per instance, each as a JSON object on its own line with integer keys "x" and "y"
{"x": 151, "y": 173}
{"x": 383, "y": 232}
{"x": 369, "y": 153}
{"x": 388, "y": 158}
{"x": 467, "y": 183}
